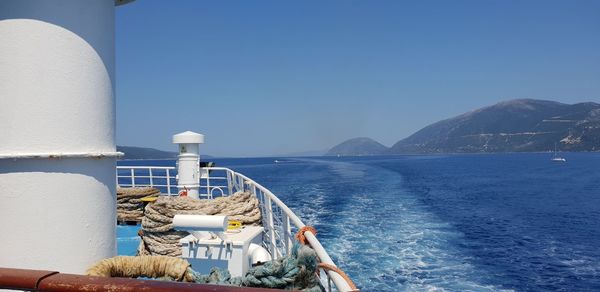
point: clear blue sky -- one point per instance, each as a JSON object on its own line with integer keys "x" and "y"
{"x": 273, "y": 77}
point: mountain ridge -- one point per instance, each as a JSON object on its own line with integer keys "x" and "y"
{"x": 518, "y": 125}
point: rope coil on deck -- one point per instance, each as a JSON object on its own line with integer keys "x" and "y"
{"x": 158, "y": 267}
{"x": 159, "y": 238}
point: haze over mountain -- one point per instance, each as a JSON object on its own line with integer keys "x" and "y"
{"x": 521, "y": 125}
{"x": 358, "y": 146}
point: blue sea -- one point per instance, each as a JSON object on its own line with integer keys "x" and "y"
{"x": 493, "y": 222}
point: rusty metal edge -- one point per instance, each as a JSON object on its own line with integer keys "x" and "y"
{"x": 22, "y": 279}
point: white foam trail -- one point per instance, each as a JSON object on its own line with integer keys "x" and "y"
{"x": 384, "y": 237}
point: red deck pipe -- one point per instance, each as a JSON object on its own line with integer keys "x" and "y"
{"x": 38, "y": 280}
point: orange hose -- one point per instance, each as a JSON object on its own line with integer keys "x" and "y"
{"x": 302, "y": 239}
{"x": 325, "y": 266}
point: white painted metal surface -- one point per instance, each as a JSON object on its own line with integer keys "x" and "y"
{"x": 57, "y": 146}
{"x": 188, "y": 162}
{"x": 258, "y": 254}
{"x": 60, "y": 155}
{"x": 228, "y": 251}
{"x": 211, "y": 223}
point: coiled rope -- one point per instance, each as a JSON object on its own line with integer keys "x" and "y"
{"x": 130, "y": 206}
{"x": 158, "y": 236}
{"x": 158, "y": 267}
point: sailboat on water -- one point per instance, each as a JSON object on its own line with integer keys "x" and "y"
{"x": 556, "y": 157}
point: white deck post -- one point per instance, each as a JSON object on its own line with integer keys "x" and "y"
{"x": 188, "y": 162}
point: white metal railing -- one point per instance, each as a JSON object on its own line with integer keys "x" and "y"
{"x": 214, "y": 181}
{"x": 160, "y": 177}
{"x": 279, "y": 222}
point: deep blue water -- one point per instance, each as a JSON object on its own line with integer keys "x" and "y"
{"x": 444, "y": 223}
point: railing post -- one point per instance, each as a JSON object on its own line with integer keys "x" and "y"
{"x": 271, "y": 227}
{"x": 286, "y": 229}
{"x": 151, "y": 178}
{"x": 240, "y": 184}
{"x": 208, "y": 193}
{"x": 168, "y": 183}
{"x": 254, "y": 191}
{"x": 229, "y": 182}
{"x": 133, "y": 178}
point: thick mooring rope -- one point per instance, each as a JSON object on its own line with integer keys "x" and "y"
{"x": 158, "y": 267}
{"x": 158, "y": 236}
{"x": 129, "y": 204}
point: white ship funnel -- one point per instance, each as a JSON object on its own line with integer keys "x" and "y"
{"x": 57, "y": 141}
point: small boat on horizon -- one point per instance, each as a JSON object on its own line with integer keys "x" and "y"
{"x": 556, "y": 157}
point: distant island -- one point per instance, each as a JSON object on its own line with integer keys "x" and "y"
{"x": 358, "y": 146}
{"x": 521, "y": 125}
{"x": 145, "y": 153}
